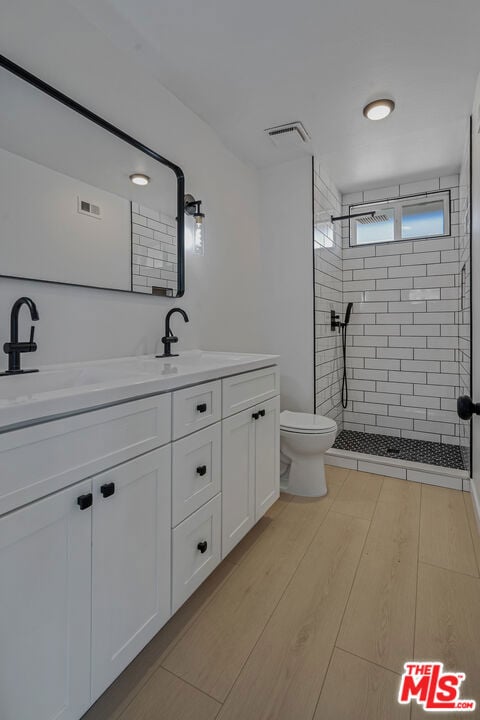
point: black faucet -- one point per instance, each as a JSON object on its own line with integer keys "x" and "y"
{"x": 169, "y": 337}
{"x": 14, "y": 349}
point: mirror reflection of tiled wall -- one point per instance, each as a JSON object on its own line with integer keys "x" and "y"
{"x": 154, "y": 244}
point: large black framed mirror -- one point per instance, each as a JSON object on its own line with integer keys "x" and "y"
{"x": 82, "y": 202}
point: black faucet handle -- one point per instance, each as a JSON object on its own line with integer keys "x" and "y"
{"x": 19, "y": 347}
{"x": 32, "y": 334}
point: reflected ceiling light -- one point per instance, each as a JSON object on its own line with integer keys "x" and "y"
{"x": 378, "y": 109}
{"x": 139, "y": 179}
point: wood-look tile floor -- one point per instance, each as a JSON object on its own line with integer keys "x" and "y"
{"x": 313, "y": 614}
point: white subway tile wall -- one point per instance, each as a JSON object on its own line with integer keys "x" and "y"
{"x": 464, "y": 354}
{"x": 406, "y": 356}
{"x": 154, "y": 246}
{"x": 328, "y": 296}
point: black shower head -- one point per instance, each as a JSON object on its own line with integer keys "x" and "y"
{"x": 348, "y": 312}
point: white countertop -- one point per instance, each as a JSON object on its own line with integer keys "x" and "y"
{"x": 58, "y": 390}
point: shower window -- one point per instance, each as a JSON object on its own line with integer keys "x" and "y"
{"x": 407, "y": 218}
{"x": 423, "y": 219}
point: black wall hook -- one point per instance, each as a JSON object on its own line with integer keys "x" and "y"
{"x": 466, "y": 408}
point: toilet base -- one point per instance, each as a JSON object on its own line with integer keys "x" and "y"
{"x": 306, "y": 477}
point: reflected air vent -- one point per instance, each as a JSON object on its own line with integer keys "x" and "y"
{"x": 87, "y": 208}
{"x": 290, "y": 135}
{"x": 372, "y": 220}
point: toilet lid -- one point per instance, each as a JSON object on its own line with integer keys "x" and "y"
{"x": 306, "y": 422}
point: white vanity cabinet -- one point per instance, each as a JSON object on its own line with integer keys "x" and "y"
{"x": 196, "y": 471}
{"x": 250, "y": 452}
{"x": 131, "y": 582}
{"x": 267, "y": 456}
{"x": 196, "y": 550}
{"x": 111, "y": 518}
{"x": 238, "y": 478}
{"x": 45, "y": 600}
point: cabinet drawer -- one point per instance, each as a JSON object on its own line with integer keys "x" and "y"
{"x": 243, "y": 391}
{"x": 196, "y": 471}
{"x": 39, "y": 460}
{"x": 190, "y": 566}
{"x": 196, "y": 407}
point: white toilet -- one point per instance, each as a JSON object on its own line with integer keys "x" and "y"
{"x": 304, "y": 440}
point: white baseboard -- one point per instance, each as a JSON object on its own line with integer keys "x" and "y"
{"x": 403, "y": 469}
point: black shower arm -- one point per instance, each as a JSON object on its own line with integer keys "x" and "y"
{"x": 372, "y": 213}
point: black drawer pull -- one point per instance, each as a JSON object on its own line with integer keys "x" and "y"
{"x": 255, "y": 415}
{"x": 85, "y": 501}
{"x": 202, "y": 470}
{"x": 261, "y": 413}
{"x": 202, "y": 546}
{"x": 108, "y": 489}
{"x": 202, "y": 408}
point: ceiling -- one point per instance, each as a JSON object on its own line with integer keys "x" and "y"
{"x": 245, "y": 66}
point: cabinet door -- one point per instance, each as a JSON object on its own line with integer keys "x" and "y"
{"x": 45, "y": 594}
{"x": 238, "y": 478}
{"x": 267, "y": 456}
{"x": 131, "y": 562}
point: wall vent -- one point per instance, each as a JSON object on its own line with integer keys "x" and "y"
{"x": 87, "y": 208}
{"x": 290, "y": 135}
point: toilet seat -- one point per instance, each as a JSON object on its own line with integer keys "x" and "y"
{"x": 306, "y": 423}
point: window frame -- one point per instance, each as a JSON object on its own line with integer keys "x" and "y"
{"x": 398, "y": 204}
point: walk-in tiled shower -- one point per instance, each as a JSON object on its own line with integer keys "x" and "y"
{"x": 408, "y": 340}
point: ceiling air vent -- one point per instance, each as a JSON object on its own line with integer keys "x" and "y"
{"x": 290, "y": 135}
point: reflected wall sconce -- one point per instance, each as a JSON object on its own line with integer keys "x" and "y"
{"x": 193, "y": 208}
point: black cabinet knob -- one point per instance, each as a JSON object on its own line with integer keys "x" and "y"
{"x": 202, "y": 470}
{"x": 466, "y": 408}
{"x": 85, "y": 501}
{"x": 202, "y": 546}
{"x": 261, "y": 413}
{"x": 202, "y": 408}
{"x": 108, "y": 489}
{"x": 255, "y": 415}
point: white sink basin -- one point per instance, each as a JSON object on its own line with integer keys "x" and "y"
{"x": 21, "y": 387}
{"x": 65, "y": 389}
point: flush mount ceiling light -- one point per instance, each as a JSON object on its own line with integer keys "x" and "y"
{"x": 139, "y": 179}
{"x": 378, "y": 109}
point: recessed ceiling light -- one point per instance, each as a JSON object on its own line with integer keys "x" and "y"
{"x": 139, "y": 179}
{"x": 378, "y": 109}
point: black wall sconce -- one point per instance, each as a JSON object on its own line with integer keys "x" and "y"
{"x": 193, "y": 208}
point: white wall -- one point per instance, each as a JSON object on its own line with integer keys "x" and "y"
{"x": 286, "y": 246}
{"x": 53, "y": 41}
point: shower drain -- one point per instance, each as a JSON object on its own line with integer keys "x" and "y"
{"x": 393, "y": 451}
